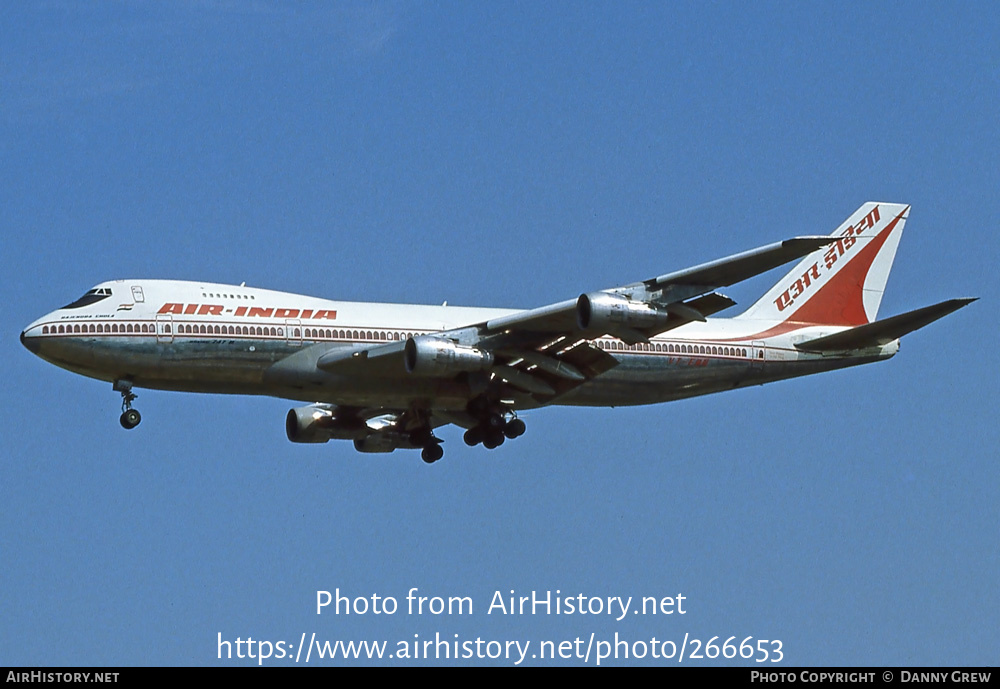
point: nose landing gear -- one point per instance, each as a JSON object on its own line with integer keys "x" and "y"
{"x": 130, "y": 417}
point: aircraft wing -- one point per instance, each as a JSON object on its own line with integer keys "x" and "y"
{"x": 649, "y": 301}
{"x": 743, "y": 266}
{"x": 542, "y": 371}
{"x": 544, "y": 353}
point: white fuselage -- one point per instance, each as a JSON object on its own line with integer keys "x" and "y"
{"x": 203, "y": 337}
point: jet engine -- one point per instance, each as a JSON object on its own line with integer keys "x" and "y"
{"x": 318, "y": 423}
{"x": 608, "y": 313}
{"x": 434, "y": 356}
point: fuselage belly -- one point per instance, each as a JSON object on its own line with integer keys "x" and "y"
{"x": 252, "y": 367}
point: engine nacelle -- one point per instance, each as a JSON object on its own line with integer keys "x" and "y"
{"x": 385, "y": 441}
{"x": 606, "y": 313}
{"x": 319, "y": 423}
{"x": 433, "y": 356}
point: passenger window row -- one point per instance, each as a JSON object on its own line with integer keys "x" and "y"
{"x": 671, "y": 348}
{"x": 371, "y": 335}
{"x": 113, "y": 328}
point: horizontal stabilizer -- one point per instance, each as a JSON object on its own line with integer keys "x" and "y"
{"x": 884, "y": 331}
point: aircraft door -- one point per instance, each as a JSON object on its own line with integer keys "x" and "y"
{"x": 164, "y": 327}
{"x": 758, "y": 354}
{"x": 293, "y": 331}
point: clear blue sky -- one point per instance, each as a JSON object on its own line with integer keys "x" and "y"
{"x": 500, "y": 154}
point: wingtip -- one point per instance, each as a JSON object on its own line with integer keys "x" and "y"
{"x": 952, "y": 305}
{"x": 814, "y": 241}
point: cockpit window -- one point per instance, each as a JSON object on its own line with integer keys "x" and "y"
{"x": 91, "y": 297}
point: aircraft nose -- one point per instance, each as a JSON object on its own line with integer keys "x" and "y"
{"x": 30, "y": 343}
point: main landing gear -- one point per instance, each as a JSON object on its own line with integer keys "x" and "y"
{"x": 493, "y": 430}
{"x": 130, "y": 417}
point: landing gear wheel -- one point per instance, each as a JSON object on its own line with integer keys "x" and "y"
{"x": 432, "y": 453}
{"x": 473, "y": 436}
{"x": 130, "y": 418}
{"x": 514, "y": 429}
{"x": 493, "y": 440}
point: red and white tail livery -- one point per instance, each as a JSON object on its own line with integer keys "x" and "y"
{"x": 842, "y": 283}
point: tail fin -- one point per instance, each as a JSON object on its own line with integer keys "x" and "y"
{"x": 840, "y": 284}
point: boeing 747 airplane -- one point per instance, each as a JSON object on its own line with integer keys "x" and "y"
{"x": 387, "y": 376}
